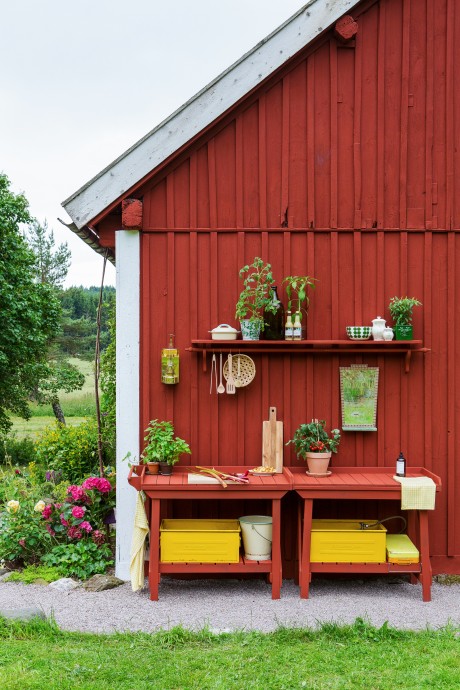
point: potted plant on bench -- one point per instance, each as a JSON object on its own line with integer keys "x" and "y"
{"x": 313, "y": 444}
{"x": 162, "y": 446}
{"x": 401, "y": 313}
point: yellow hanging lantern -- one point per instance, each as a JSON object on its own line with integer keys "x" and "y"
{"x": 170, "y": 363}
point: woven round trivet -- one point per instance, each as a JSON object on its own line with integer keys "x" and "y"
{"x": 246, "y": 367}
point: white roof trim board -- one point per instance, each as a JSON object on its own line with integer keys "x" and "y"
{"x": 205, "y": 107}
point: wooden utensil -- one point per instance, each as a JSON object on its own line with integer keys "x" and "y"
{"x": 230, "y": 381}
{"x": 221, "y": 387}
{"x": 213, "y": 370}
{"x": 272, "y": 442}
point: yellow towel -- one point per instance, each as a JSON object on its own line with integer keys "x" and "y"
{"x": 141, "y": 529}
{"x": 417, "y": 493}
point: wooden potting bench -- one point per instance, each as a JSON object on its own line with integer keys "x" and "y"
{"x": 176, "y": 488}
{"x": 359, "y": 483}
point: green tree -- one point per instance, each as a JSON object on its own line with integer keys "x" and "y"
{"x": 29, "y": 310}
{"x": 108, "y": 384}
{"x": 51, "y": 267}
{"x": 51, "y": 263}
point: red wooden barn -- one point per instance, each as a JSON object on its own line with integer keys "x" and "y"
{"x": 332, "y": 149}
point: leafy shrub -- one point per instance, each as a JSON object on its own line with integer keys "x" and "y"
{"x": 80, "y": 559}
{"x": 35, "y": 572}
{"x": 71, "y": 449}
{"x": 23, "y": 537}
{"x": 16, "y": 483}
{"x": 83, "y": 512}
{"x": 17, "y": 451}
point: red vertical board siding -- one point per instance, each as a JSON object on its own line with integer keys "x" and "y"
{"x": 456, "y": 118}
{"x": 298, "y": 147}
{"x": 273, "y": 143}
{"x": 322, "y": 138}
{"x": 338, "y": 168}
{"x": 250, "y": 173}
{"x": 225, "y": 153}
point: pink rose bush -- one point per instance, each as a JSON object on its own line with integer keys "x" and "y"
{"x": 82, "y": 513}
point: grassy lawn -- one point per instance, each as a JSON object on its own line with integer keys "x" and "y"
{"x": 76, "y": 406}
{"x": 38, "y": 655}
{"x": 33, "y": 426}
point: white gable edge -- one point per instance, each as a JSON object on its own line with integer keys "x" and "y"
{"x": 205, "y": 107}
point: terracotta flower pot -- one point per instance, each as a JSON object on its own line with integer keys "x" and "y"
{"x": 153, "y": 467}
{"x": 318, "y": 462}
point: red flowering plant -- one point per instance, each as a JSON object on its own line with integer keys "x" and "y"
{"x": 83, "y": 513}
{"x": 313, "y": 438}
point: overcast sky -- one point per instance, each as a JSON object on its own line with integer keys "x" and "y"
{"x": 83, "y": 80}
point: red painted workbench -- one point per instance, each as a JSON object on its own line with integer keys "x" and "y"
{"x": 346, "y": 483}
{"x": 176, "y": 487}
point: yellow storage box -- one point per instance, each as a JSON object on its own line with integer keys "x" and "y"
{"x": 401, "y": 550}
{"x": 345, "y": 541}
{"x": 200, "y": 541}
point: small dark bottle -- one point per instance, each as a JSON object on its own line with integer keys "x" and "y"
{"x": 274, "y": 323}
{"x": 401, "y": 465}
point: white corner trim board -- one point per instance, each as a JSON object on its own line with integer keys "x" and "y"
{"x": 127, "y": 375}
{"x": 205, "y": 107}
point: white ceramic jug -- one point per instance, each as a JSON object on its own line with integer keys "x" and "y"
{"x": 378, "y": 326}
{"x": 388, "y": 333}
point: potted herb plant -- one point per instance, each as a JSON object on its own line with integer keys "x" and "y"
{"x": 313, "y": 444}
{"x": 162, "y": 446}
{"x": 401, "y": 313}
{"x": 298, "y": 300}
{"x": 255, "y": 298}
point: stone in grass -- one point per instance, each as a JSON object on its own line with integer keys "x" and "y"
{"x": 99, "y": 583}
{"x": 25, "y": 614}
{"x": 64, "y": 584}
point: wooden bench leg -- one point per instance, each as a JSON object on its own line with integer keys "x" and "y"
{"x": 305, "y": 574}
{"x": 276, "y": 549}
{"x": 426, "y": 574}
{"x": 154, "y": 564}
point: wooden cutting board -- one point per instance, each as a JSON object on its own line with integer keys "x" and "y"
{"x": 272, "y": 442}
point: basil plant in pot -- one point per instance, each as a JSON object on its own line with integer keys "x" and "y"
{"x": 315, "y": 445}
{"x": 163, "y": 447}
{"x": 401, "y": 313}
{"x": 255, "y": 298}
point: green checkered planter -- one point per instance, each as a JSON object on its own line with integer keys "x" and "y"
{"x": 359, "y": 332}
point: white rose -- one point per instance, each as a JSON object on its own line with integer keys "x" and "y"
{"x": 39, "y": 506}
{"x": 12, "y": 506}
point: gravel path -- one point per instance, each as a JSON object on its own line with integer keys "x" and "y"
{"x": 226, "y": 605}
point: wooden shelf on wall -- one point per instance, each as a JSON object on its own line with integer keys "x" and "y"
{"x": 310, "y": 347}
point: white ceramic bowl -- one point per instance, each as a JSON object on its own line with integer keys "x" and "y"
{"x": 359, "y": 332}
